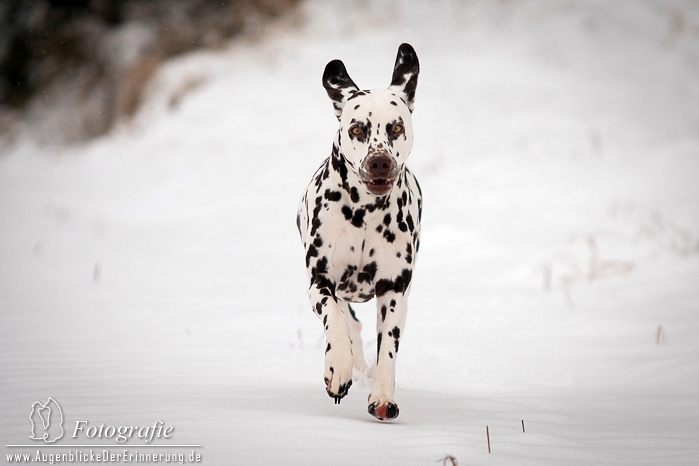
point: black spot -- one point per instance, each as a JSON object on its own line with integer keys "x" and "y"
{"x": 339, "y": 166}
{"x": 396, "y": 333}
{"x": 383, "y": 313}
{"x": 371, "y": 252}
{"x": 394, "y": 104}
{"x": 392, "y": 303}
{"x": 333, "y": 196}
{"x": 401, "y": 224}
{"x": 411, "y": 225}
{"x": 368, "y": 273}
{"x": 315, "y": 225}
{"x": 390, "y": 355}
{"x": 321, "y": 267}
{"x": 379, "y": 203}
{"x": 318, "y": 241}
{"x": 349, "y": 271}
{"x": 356, "y": 106}
{"x": 327, "y": 348}
{"x": 347, "y": 211}
{"x": 387, "y": 219}
{"x": 358, "y": 218}
{"x": 356, "y": 94}
{"x": 378, "y": 346}
{"x": 312, "y": 252}
{"x": 354, "y": 195}
{"x": 390, "y": 236}
{"x": 398, "y": 285}
{"x": 316, "y": 215}
{"x": 379, "y": 228}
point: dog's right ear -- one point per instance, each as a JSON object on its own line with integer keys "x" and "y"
{"x": 338, "y": 84}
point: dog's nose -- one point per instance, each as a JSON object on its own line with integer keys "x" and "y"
{"x": 379, "y": 166}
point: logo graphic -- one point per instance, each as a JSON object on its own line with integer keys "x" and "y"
{"x": 47, "y": 421}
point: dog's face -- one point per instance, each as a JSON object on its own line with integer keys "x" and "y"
{"x": 376, "y": 136}
{"x": 376, "y": 131}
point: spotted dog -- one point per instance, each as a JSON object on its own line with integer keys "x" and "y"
{"x": 359, "y": 220}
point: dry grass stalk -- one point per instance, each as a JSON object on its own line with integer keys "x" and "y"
{"x": 487, "y": 434}
{"x": 449, "y": 458}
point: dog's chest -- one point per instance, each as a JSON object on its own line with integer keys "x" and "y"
{"x": 369, "y": 238}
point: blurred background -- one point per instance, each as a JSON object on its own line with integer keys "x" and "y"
{"x": 93, "y": 58}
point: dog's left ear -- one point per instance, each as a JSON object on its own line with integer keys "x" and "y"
{"x": 405, "y": 74}
{"x": 338, "y": 84}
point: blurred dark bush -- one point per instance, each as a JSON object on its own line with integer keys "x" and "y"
{"x": 98, "y": 54}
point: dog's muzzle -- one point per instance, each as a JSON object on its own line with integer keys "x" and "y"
{"x": 379, "y": 172}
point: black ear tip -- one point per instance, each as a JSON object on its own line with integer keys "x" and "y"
{"x": 406, "y": 49}
{"x": 333, "y": 69}
{"x": 407, "y": 56}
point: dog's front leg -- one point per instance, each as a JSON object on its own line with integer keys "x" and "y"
{"x": 338, "y": 349}
{"x": 392, "y": 308}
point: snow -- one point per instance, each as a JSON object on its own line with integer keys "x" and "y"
{"x": 156, "y": 273}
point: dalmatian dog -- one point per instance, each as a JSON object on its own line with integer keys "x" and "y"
{"x": 359, "y": 220}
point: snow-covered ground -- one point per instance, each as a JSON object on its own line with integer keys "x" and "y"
{"x": 157, "y": 273}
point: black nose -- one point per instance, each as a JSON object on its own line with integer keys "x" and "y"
{"x": 379, "y": 166}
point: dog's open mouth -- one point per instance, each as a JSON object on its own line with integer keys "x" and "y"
{"x": 379, "y": 185}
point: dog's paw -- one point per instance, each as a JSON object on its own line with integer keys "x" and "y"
{"x": 383, "y": 409}
{"x": 338, "y": 372}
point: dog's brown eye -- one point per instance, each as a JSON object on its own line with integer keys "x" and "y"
{"x": 397, "y": 129}
{"x": 356, "y": 131}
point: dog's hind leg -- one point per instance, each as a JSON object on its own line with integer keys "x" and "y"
{"x": 355, "y": 329}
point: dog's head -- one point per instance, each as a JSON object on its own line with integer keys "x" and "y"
{"x": 376, "y": 130}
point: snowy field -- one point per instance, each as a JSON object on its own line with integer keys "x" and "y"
{"x": 156, "y": 273}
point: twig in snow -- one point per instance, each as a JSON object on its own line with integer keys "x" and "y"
{"x": 97, "y": 272}
{"x": 487, "y": 434}
{"x": 660, "y": 336}
{"x": 448, "y": 458}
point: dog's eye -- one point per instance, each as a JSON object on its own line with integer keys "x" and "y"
{"x": 356, "y": 131}
{"x": 397, "y": 129}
